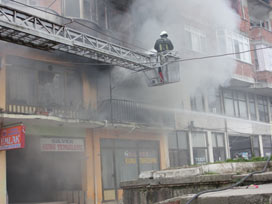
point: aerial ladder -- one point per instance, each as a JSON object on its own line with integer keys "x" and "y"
{"x": 23, "y": 28}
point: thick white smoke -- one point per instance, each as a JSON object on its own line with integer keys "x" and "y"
{"x": 197, "y": 76}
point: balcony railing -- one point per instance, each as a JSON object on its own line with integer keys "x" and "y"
{"x": 125, "y": 111}
{"x": 114, "y": 111}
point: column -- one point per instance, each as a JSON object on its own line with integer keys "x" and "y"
{"x": 3, "y": 178}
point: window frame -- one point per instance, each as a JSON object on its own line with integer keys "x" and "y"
{"x": 178, "y": 150}
{"x": 200, "y": 44}
{"x": 206, "y": 148}
{"x": 264, "y": 105}
{"x": 216, "y": 147}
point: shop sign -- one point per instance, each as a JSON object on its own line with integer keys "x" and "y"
{"x": 12, "y": 137}
{"x": 49, "y": 144}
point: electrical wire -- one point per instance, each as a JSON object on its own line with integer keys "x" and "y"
{"x": 232, "y": 186}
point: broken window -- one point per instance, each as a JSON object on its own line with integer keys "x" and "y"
{"x": 240, "y": 147}
{"x": 267, "y": 145}
{"x": 198, "y": 103}
{"x": 200, "y": 147}
{"x": 214, "y": 101}
{"x": 219, "y": 151}
{"x": 50, "y": 89}
{"x": 178, "y": 149}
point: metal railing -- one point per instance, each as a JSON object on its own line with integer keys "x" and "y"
{"x": 114, "y": 111}
{"x": 125, "y": 111}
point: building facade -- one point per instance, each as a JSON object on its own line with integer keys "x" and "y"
{"x": 81, "y": 140}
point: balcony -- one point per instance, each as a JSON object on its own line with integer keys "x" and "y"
{"x": 260, "y": 34}
{"x": 125, "y": 111}
{"x": 115, "y": 111}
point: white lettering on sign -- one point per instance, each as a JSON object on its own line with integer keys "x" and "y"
{"x": 62, "y": 145}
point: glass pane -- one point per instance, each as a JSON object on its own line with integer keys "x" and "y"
{"x": 200, "y": 155}
{"x": 267, "y": 141}
{"x": 240, "y": 146}
{"x": 214, "y": 141}
{"x": 243, "y": 109}
{"x": 252, "y": 110}
{"x": 173, "y": 157}
{"x": 126, "y": 165}
{"x": 199, "y": 139}
{"x": 148, "y": 159}
{"x": 172, "y": 141}
{"x": 219, "y": 154}
{"x": 220, "y": 140}
{"x": 182, "y": 140}
{"x": 256, "y": 141}
{"x": 229, "y": 109}
{"x": 72, "y": 8}
{"x": 107, "y": 169}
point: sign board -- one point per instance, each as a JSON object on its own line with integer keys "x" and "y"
{"x": 53, "y": 144}
{"x": 12, "y": 137}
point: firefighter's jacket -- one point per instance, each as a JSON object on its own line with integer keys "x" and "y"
{"x": 163, "y": 44}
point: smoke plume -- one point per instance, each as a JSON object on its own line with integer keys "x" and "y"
{"x": 176, "y": 16}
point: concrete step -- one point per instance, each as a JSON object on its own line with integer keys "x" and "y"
{"x": 261, "y": 194}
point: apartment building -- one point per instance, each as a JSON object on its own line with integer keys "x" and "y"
{"x": 234, "y": 121}
{"x": 81, "y": 140}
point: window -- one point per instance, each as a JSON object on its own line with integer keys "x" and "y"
{"x": 235, "y": 43}
{"x": 214, "y": 101}
{"x": 200, "y": 147}
{"x": 256, "y": 146}
{"x": 86, "y": 9}
{"x": 125, "y": 159}
{"x": 37, "y": 84}
{"x": 219, "y": 152}
{"x": 240, "y": 147}
{"x": 72, "y": 8}
{"x": 263, "y": 108}
{"x": 267, "y": 145}
{"x": 195, "y": 39}
{"x": 197, "y": 103}
{"x": 178, "y": 149}
{"x": 252, "y": 107}
{"x": 235, "y": 103}
{"x": 264, "y": 58}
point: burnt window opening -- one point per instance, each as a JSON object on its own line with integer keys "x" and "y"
{"x": 198, "y": 103}
{"x": 35, "y": 84}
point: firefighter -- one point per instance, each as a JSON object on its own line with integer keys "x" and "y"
{"x": 162, "y": 46}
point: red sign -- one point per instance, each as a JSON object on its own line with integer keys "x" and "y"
{"x": 12, "y": 137}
